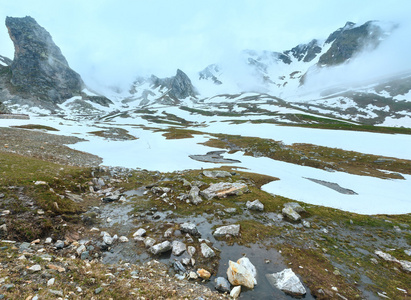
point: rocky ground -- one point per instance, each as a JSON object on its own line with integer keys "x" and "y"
{"x": 76, "y": 232}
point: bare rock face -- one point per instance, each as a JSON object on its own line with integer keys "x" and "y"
{"x": 39, "y": 68}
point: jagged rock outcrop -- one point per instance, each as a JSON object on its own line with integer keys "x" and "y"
{"x": 305, "y": 52}
{"x": 179, "y": 86}
{"x": 39, "y": 68}
{"x": 350, "y": 40}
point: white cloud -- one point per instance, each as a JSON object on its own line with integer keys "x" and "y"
{"x": 109, "y": 42}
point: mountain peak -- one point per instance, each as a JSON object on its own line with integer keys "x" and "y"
{"x": 39, "y": 68}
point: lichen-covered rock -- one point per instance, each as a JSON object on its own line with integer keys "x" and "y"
{"x": 217, "y": 174}
{"x": 246, "y": 263}
{"x": 194, "y": 195}
{"x": 189, "y": 228}
{"x": 178, "y": 248}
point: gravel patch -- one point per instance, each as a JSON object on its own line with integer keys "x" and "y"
{"x": 49, "y": 147}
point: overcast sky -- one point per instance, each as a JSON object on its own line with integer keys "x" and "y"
{"x": 111, "y": 41}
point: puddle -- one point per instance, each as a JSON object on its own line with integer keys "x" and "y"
{"x": 266, "y": 261}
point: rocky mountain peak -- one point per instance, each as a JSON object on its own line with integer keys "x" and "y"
{"x": 39, "y": 67}
{"x": 350, "y": 40}
{"x": 179, "y": 86}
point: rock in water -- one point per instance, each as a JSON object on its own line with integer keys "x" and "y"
{"x": 246, "y": 263}
{"x": 238, "y": 275}
{"x": 222, "y": 285}
{"x": 287, "y": 281}
{"x": 39, "y": 68}
{"x": 235, "y": 292}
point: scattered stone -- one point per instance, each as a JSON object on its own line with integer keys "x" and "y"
{"x": 287, "y": 281}
{"x": 204, "y": 274}
{"x": 222, "y": 285}
{"x": 224, "y": 189}
{"x": 306, "y": 224}
{"x": 246, "y": 263}
{"x": 98, "y": 290}
{"x": 291, "y": 214}
{"x": 405, "y": 265}
{"x": 112, "y": 198}
{"x": 35, "y": 268}
{"x": 24, "y": 246}
{"x": 123, "y": 239}
{"x": 80, "y": 249}
{"x": 39, "y": 182}
{"x": 194, "y": 195}
{"x": 408, "y": 252}
{"x": 2, "y": 195}
{"x": 223, "y": 231}
{"x": 161, "y": 248}
{"x": 85, "y": 255}
{"x": 51, "y": 281}
{"x": 206, "y": 251}
{"x": 57, "y": 293}
{"x": 238, "y": 275}
{"x": 57, "y": 268}
{"x": 59, "y": 244}
{"x": 178, "y": 267}
{"x": 235, "y": 292}
{"x": 149, "y": 242}
{"x": 295, "y": 206}
{"x": 216, "y": 174}
{"x": 230, "y": 210}
{"x": 255, "y": 205}
{"x": 48, "y": 240}
{"x": 107, "y": 239}
{"x": 189, "y": 228}
{"x": 8, "y": 287}
{"x": 3, "y": 229}
{"x": 214, "y": 157}
{"x": 191, "y": 250}
{"x": 178, "y": 248}
{"x": 169, "y": 232}
{"x": 192, "y": 275}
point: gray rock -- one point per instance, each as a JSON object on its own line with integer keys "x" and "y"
{"x": 149, "y": 242}
{"x": 255, "y": 205}
{"x": 230, "y": 210}
{"x": 59, "y": 244}
{"x": 85, "y": 255}
{"x": 408, "y": 252}
{"x": 39, "y": 68}
{"x": 223, "y": 231}
{"x": 287, "y": 281}
{"x": 35, "y": 268}
{"x": 189, "y": 228}
{"x": 3, "y": 229}
{"x": 161, "y": 248}
{"x": 107, "y": 239}
{"x": 222, "y": 285}
{"x": 57, "y": 293}
{"x": 216, "y": 174}
{"x": 80, "y": 249}
{"x": 178, "y": 267}
{"x": 178, "y": 248}
{"x": 306, "y": 224}
{"x": 140, "y": 233}
{"x": 224, "y": 189}
{"x": 25, "y": 246}
{"x": 291, "y": 214}
{"x": 295, "y": 206}
{"x": 98, "y": 290}
{"x": 206, "y": 251}
{"x": 194, "y": 195}
{"x": 191, "y": 250}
